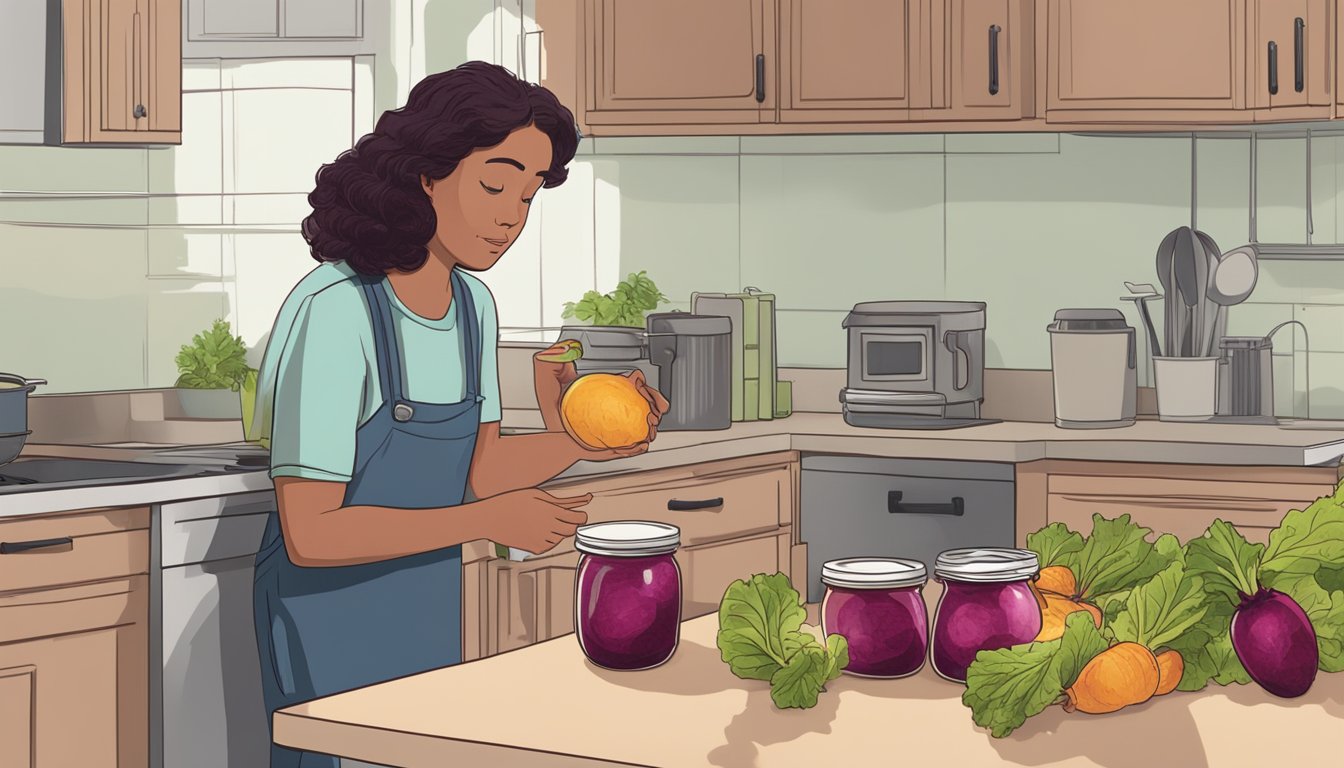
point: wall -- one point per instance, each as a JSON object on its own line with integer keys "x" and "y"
{"x": 114, "y": 257}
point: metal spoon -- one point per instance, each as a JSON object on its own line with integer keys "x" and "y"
{"x": 1165, "y": 254}
{"x": 1206, "y": 311}
{"x": 1185, "y": 264}
{"x": 1233, "y": 280}
{"x": 1141, "y": 294}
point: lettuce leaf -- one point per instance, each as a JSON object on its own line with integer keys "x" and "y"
{"x": 1324, "y": 608}
{"x": 1004, "y": 687}
{"x": 761, "y": 637}
{"x": 1055, "y": 544}
{"x": 1161, "y": 610}
{"x": 1118, "y": 556}
{"x": 1308, "y": 539}
{"x": 1206, "y": 649}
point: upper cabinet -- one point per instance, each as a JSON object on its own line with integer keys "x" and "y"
{"x": 661, "y": 67}
{"x": 122, "y": 71}
{"x": 280, "y": 28}
{"x": 692, "y": 61}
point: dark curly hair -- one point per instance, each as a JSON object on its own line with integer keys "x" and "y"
{"x": 369, "y": 209}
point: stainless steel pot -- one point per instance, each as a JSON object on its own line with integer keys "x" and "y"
{"x": 14, "y": 430}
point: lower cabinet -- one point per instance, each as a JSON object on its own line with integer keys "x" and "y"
{"x": 74, "y": 650}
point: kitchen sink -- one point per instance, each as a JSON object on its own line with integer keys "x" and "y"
{"x": 33, "y": 474}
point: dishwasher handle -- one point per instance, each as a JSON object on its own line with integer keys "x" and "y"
{"x": 14, "y": 547}
{"x": 956, "y": 507}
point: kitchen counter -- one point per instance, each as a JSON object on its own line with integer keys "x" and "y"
{"x": 546, "y": 705}
{"x": 1292, "y": 444}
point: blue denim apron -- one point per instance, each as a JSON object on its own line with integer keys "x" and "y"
{"x": 323, "y": 630}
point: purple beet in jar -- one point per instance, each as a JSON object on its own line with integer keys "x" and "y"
{"x": 987, "y": 603}
{"x": 628, "y": 593}
{"x": 877, "y": 605}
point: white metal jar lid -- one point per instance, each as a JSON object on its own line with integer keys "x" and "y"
{"x": 631, "y": 538}
{"x": 987, "y": 564}
{"x": 873, "y": 573}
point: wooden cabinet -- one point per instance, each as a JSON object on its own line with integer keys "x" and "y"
{"x": 852, "y": 60}
{"x": 736, "y": 519}
{"x": 984, "y": 61}
{"x": 122, "y": 71}
{"x": 690, "y": 61}
{"x": 1292, "y": 56}
{"x": 74, "y": 643}
{"x": 282, "y": 28}
{"x": 1180, "y": 500}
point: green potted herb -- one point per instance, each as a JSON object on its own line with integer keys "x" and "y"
{"x": 213, "y": 373}
{"x": 633, "y": 298}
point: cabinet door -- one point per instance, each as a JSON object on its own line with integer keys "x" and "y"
{"x": 706, "y": 571}
{"x": 74, "y": 661}
{"x": 681, "y": 61}
{"x": 990, "y": 60}
{"x": 534, "y": 601}
{"x": 850, "y": 60}
{"x": 1148, "y": 55}
{"x": 1291, "y": 59}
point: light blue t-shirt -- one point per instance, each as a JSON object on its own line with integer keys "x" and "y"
{"x": 318, "y": 380}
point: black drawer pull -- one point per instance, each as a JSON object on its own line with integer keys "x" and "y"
{"x": 760, "y": 78}
{"x": 677, "y": 505}
{"x": 955, "y": 507}
{"x": 994, "y": 59}
{"x": 1273, "y": 68}
{"x": 1299, "y": 48}
{"x": 14, "y": 547}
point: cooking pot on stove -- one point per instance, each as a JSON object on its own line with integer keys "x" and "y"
{"x": 14, "y": 430}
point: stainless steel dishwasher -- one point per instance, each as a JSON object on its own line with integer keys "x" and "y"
{"x": 858, "y": 506}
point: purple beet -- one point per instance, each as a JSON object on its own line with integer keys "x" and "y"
{"x": 1275, "y": 642}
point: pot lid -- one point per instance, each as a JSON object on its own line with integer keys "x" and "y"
{"x": 627, "y": 538}
{"x": 874, "y": 573}
{"x": 987, "y": 564}
{"x": 1245, "y": 342}
{"x": 686, "y": 324}
{"x": 1105, "y": 319}
{"x": 884, "y": 312}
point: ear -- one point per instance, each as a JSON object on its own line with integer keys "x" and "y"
{"x": 427, "y": 184}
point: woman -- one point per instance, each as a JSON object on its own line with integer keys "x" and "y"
{"x": 382, "y": 382}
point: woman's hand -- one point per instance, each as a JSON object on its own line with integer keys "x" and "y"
{"x": 549, "y": 381}
{"x": 533, "y": 520}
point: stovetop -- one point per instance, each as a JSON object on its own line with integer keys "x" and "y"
{"x": 49, "y": 473}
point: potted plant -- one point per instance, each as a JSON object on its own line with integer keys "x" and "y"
{"x": 634, "y": 297}
{"x": 213, "y": 373}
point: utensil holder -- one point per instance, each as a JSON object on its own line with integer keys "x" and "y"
{"x": 1187, "y": 388}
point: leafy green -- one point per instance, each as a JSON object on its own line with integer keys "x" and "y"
{"x": 1330, "y": 579}
{"x": 1055, "y": 544}
{"x": 1308, "y": 538}
{"x": 1004, "y": 687}
{"x": 1324, "y": 608}
{"x": 1158, "y": 612}
{"x": 632, "y": 299}
{"x": 761, "y": 637}
{"x": 1228, "y": 563}
{"x": 215, "y": 359}
{"x": 1116, "y": 557}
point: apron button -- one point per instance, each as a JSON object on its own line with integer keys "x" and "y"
{"x": 402, "y": 412}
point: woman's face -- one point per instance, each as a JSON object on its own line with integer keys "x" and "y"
{"x": 482, "y": 205}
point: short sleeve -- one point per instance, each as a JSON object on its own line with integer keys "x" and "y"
{"x": 319, "y": 390}
{"x": 491, "y": 409}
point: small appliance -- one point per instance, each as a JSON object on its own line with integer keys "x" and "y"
{"x": 915, "y": 364}
{"x": 1094, "y": 364}
{"x": 693, "y": 355}
{"x": 611, "y": 349}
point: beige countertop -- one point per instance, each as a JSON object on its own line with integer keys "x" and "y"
{"x": 546, "y": 705}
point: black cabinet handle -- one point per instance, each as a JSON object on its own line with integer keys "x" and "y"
{"x": 14, "y": 547}
{"x": 1299, "y": 55}
{"x": 677, "y": 505}
{"x": 955, "y": 507}
{"x": 1273, "y": 68}
{"x": 760, "y": 77}
{"x": 994, "y": 59}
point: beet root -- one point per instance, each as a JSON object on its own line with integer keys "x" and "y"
{"x": 1275, "y": 642}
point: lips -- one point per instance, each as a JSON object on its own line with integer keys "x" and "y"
{"x": 495, "y": 242}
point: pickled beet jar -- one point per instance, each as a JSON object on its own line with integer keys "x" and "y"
{"x": 987, "y": 603}
{"x": 877, "y": 605}
{"x": 628, "y": 593}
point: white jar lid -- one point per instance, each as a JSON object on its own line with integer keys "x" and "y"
{"x": 632, "y": 538}
{"x": 873, "y": 573}
{"x": 987, "y": 564}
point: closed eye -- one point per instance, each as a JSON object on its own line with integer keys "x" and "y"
{"x": 490, "y": 189}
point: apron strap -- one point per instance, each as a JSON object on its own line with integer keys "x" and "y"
{"x": 472, "y": 343}
{"x": 391, "y": 379}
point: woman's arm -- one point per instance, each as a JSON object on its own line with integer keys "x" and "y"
{"x": 319, "y": 531}
{"x": 505, "y": 463}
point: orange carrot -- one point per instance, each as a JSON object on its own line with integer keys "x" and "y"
{"x": 1057, "y": 609}
{"x": 1120, "y": 676}
{"x": 1058, "y": 579}
{"x": 1170, "y": 668}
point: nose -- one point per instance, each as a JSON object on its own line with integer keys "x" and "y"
{"x": 508, "y": 218}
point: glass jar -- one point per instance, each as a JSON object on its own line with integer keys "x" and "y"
{"x": 987, "y": 603}
{"x": 877, "y": 604}
{"x": 628, "y": 593}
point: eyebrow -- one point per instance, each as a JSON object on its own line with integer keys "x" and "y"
{"x": 514, "y": 163}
